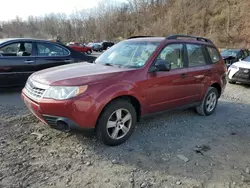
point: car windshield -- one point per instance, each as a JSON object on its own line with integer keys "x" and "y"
{"x": 230, "y": 53}
{"x": 128, "y": 54}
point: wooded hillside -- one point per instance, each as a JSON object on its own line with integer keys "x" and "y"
{"x": 226, "y": 22}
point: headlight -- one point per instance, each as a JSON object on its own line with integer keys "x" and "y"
{"x": 62, "y": 93}
{"x": 233, "y": 67}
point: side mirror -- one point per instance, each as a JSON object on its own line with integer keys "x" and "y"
{"x": 162, "y": 65}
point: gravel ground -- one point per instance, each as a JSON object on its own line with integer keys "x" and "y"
{"x": 179, "y": 149}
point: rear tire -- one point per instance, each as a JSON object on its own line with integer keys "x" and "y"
{"x": 209, "y": 103}
{"x": 116, "y": 123}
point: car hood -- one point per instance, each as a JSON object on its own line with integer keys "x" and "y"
{"x": 243, "y": 64}
{"x": 77, "y": 74}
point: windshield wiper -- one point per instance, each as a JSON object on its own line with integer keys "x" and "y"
{"x": 112, "y": 65}
{"x": 108, "y": 64}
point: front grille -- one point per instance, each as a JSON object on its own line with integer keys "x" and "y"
{"x": 242, "y": 73}
{"x": 34, "y": 90}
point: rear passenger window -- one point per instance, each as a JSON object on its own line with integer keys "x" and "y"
{"x": 214, "y": 54}
{"x": 195, "y": 55}
{"x": 48, "y": 49}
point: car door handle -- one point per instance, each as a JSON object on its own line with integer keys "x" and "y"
{"x": 184, "y": 75}
{"x": 199, "y": 76}
{"x": 68, "y": 61}
{"x": 29, "y": 61}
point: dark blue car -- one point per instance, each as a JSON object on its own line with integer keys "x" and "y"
{"x": 19, "y": 58}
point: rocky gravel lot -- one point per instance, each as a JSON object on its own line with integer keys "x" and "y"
{"x": 179, "y": 149}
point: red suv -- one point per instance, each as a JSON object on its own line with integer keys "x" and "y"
{"x": 134, "y": 78}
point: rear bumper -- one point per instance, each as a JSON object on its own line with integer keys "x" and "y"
{"x": 77, "y": 114}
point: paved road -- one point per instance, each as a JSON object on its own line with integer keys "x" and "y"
{"x": 10, "y": 97}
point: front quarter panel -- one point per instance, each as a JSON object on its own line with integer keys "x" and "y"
{"x": 104, "y": 93}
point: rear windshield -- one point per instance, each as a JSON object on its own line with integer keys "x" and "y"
{"x": 230, "y": 53}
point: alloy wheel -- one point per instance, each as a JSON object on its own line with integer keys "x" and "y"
{"x": 119, "y": 124}
{"x": 211, "y": 102}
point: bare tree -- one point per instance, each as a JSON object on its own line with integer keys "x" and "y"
{"x": 224, "y": 21}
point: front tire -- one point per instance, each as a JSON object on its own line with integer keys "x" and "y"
{"x": 209, "y": 103}
{"x": 89, "y": 52}
{"x": 117, "y": 123}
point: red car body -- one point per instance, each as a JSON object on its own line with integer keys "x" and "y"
{"x": 149, "y": 92}
{"x": 80, "y": 48}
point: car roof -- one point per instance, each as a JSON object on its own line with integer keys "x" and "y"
{"x": 148, "y": 39}
{"x": 23, "y": 39}
{"x": 188, "y": 39}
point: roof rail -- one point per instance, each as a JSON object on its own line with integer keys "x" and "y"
{"x": 133, "y": 37}
{"x": 188, "y": 36}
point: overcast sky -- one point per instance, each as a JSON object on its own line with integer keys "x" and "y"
{"x": 9, "y": 9}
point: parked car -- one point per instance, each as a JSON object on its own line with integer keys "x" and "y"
{"x": 231, "y": 56}
{"x": 240, "y": 72}
{"x": 19, "y": 58}
{"x": 97, "y": 47}
{"x": 135, "y": 78}
{"x": 106, "y": 45}
{"x": 80, "y": 47}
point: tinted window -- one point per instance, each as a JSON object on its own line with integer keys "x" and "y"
{"x": 195, "y": 55}
{"x": 17, "y": 49}
{"x": 214, "y": 54}
{"x": 173, "y": 55}
{"x": 48, "y": 49}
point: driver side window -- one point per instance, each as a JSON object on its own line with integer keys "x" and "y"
{"x": 173, "y": 55}
{"x": 17, "y": 49}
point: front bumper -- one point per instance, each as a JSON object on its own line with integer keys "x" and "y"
{"x": 241, "y": 80}
{"x": 77, "y": 114}
{"x": 63, "y": 124}
{"x": 241, "y": 75}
